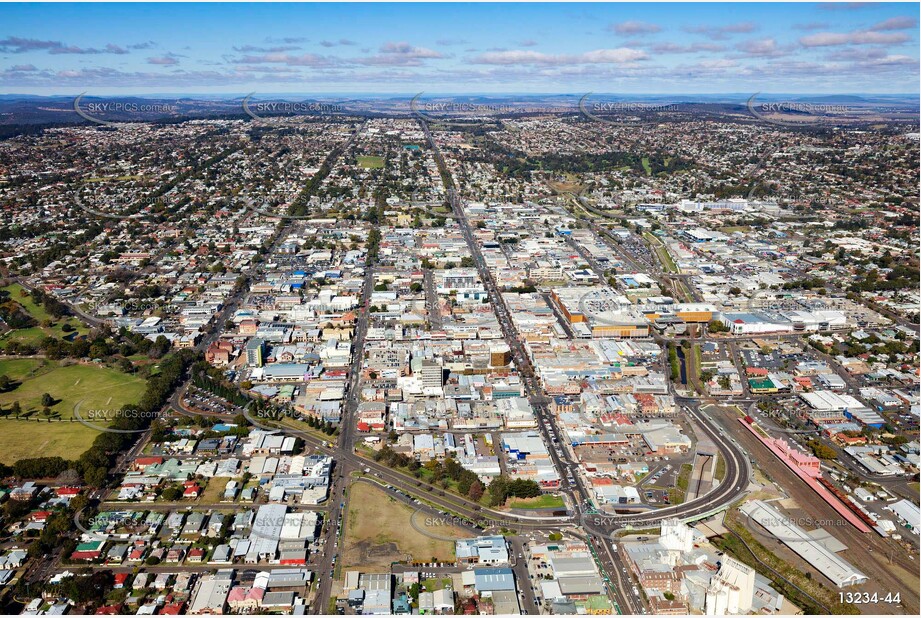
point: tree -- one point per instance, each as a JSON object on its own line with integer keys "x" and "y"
{"x": 476, "y": 491}
{"x": 822, "y": 451}
{"x": 47, "y": 400}
{"x": 5, "y": 383}
{"x": 96, "y": 477}
{"x": 171, "y": 493}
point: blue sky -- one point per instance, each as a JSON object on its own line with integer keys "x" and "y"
{"x": 462, "y": 48}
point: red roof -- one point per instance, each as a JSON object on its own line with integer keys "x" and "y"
{"x": 173, "y": 609}
{"x": 146, "y": 461}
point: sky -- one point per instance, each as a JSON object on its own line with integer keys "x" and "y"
{"x": 341, "y": 48}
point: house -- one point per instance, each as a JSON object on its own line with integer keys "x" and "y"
{"x": 191, "y": 490}
{"x": 88, "y": 551}
{"x": 25, "y": 492}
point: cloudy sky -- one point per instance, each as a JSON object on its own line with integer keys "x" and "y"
{"x": 465, "y": 48}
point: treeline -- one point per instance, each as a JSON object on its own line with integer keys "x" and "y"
{"x": 673, "y": 362}
{"x": 900, "y": 277}
{"x": 211, "y": 379}
{"x": 25, "y": 230}
{"x": 98, "y": 345}
{"x": 467, "y": 483}
{"x": 519, "y": 165}
{"x": 13, "y": 313}
{"x": 52, "y": 305}
{"x": 373, "y": 246}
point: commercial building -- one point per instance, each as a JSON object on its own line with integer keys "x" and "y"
{"x": 806, "y": 545}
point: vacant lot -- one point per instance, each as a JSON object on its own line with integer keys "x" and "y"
{"x": 545, "y": 501}
{"x": 378, "y": 531}
{"x": 214, "y": 491}
{"x": 98, "y": 390}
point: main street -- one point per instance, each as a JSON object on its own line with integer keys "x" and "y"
{"x": 737, "y": 464}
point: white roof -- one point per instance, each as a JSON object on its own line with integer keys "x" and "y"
{"x": 797, "y": 539}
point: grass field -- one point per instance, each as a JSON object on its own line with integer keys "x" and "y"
{"x": 379, "y": 530}
{"x": 35, "y": 334}
{"x": 646, "y": 167}
{"x": 18, "y": 369}
{"x": 25, "y": 439}
{"x": 95, "y": 388}
{"x": 367, "y": 162}
{"x": 720, "y": 472}
{"x": 545, "y": 501}
{"x": 36, "y": 311}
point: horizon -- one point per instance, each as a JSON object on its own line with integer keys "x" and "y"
{"x": 433, "y": 94}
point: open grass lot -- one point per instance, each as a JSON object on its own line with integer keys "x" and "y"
{"x": 378, "y": 531}
{"x": 21, "y": 439}
{"x": 18, "y": 369}
{"x": 94, "y": 388}
{"x": 546, "y": 501}
{"x": 214, "y": 491}
{"x": 369, "y": 162}
{"x": 36, "y": 311}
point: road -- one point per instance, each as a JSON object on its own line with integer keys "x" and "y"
{"x": 601, "y": 528}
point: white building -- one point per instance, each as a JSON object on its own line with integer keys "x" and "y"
{"x": 731, "y": 589}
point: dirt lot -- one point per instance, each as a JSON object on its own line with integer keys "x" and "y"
{"x": 378, "y": 531}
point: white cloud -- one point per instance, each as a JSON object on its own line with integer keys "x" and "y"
{"x": 634, "y": 27}
{"x": 621, "y": 55}
{"x": 857, "y": 37}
